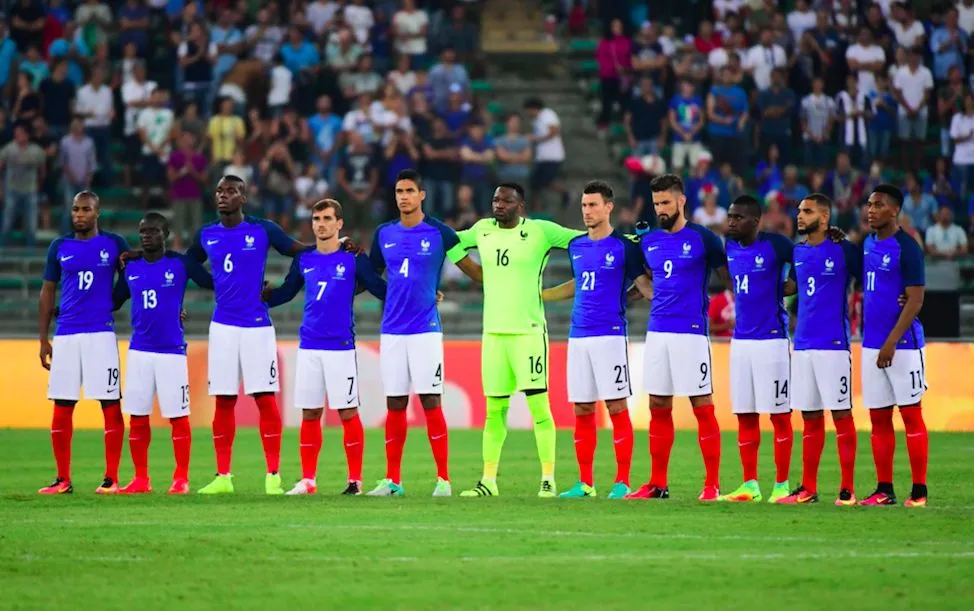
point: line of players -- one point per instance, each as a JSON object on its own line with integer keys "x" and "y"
{"x": 670, "y": 265}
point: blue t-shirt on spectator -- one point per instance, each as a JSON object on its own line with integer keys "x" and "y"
{"x": 324, "y": 133}
{"x": 298, "y": 58}
{"x": 455, "y": 120}
{"x": 737, "y": 100}
{"x": 647, "y": 117}
{"x": 476, "y": 172}
{"x": 883, "y": 118}
{"x": 777, "y": 126}
{"x": 689, "y": 112}
{"x": 221, "y": 36}
{"x": 139, "y": 37}
{"x": 952, "y": 56}
{"x": 61, "y": 47}
{"x": 772, "y": 177}
{"x": 8, "y": 52}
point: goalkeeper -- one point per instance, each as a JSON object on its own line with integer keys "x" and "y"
{"x": 513, "y": 253}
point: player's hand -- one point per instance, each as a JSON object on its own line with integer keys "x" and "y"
{"x": 127, "y": 256}
{"x": 46, "y": 354}
{"x": 901, "y": 300}
{"x": 835, "y": 234}
{"x": 349, "y": 245}
{"x": 439, "y": 297}
{"x": 265, "y": 293}
{"x": 885, "y": 357}
{"x": 183, "y": 316}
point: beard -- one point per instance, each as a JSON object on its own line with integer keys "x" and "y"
{"x": 810, "y": 228}
{"x": 667, "y": 222}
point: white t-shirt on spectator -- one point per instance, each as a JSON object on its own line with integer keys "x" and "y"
{"x": 552, "y": 149}
{"x": 358, "y": 121}
{"x": 243, "y": 171}
{"x": 761, "y": 60}
{"x": 965, "y": 18}
{"x": 719, "y": 57}
{"x": 798, "y": 22}
{"x": 945, "y": 240}
{"x": 853, "y": 130}
{"x": 157, "y": 123}
{"x": 268, "y": 44}
{"x": 912, "y": 86}
{"x": 907, "y": 37}
{"x": 135, "y": 92}
{"x": 98, "y": 102}
{"x": 962, "y": 126}
{"x": 411, "y": 23}
{"x": 707, "y": 219}
{"x": 280, "y": 91}
{"x": 361, "y": 20}
{"x": 320, "y": 14}
{"x": 870, "y": 54}
{"x": 404, "y": 81}
{"x": 722, "y": 7}
{"x": 308, "y": 188}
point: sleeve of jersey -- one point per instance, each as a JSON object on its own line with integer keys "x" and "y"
{"x": 293, "y": 284}
{"x": 635, "y": 266}
{"x": 368, "y": 277}
{"x": 121, "y": 293}
{"x": 853, "y": 259}
{"x": 784, "y": 250}
{"x": 196, "y": 272}
{"x": 375, "y": 254}
{"x": 123, "y": 246}
{"x": 466, "y": 240}
{"x": 714, "y": 248}
{"x": 282, "y": 242}
{"x": 558, "y": 236}
{"x": 195, "y": 251}
{"x": 911, "y": 261}
{"x": 52, "y": 268}
{"x": 450, "y": 239}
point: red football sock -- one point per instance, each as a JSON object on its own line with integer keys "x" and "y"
{"x": 586, "y": 438}
{"x": 224, "y": 430}
{"x": 917, "y": 442}
{"x": 355, "y": 446}
{"x": 883, "y": 441}
{"x": 813, "y": 442}
{"x": 622, "y": 440}
{"x": 270, "y": 430}
{"x": 395, "y": 442}
{"x": 114, "y": 438}
{"x": 182, "y": 440}
{"x": 784, "y": 438}
{"x": 436, "y": 431}
{"x": 62, "y": 429}
{"x": 140, "y": 435}
{"x": 310, "y": 446}
{"x": 660, "y": 444}
{"x": 708, "y": 434}
{"x": 748, "y": 442}
{"x": 845, "y": 439}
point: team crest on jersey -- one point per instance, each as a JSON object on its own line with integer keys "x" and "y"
{"x": 829, "y": 266}
{"x": 758, "y": 262}
{"x": 339, "y": 271}
{"x": 609, "y": 259}
{"x": 687, "y": 247}
{"x": 249, "y": 240}
{"x": 886, "y": 261}
{"x": 169, "y": 276}
{"x": 425, "y": 245}
{"x": 104, "y": 257}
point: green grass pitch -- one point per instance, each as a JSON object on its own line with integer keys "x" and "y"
{"x": 514, "y": 552}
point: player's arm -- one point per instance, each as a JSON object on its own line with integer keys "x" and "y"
{"x": 121, "y": 293}
{"x": 642, "y": 288}
{"x": 375, "y": 254}
{"x": 45, "y": 304}
{"x": 716, "y": 256}
{"x": 784, "y": 250}
{"x": 366, "y": 275}
{"x": 853, "y": 260}
{"x": 280, "y": 241}
{"x": 292, "y": 285}
{"x": 563, "y": 291}
{"x": 456, "y": 248}
{"x": 195, "y": 250}
{"x": 642, "y": 282}
{"x": 914, "y": 281}
{"x": 558, "y": 236}
{"x": 197, "y": 273}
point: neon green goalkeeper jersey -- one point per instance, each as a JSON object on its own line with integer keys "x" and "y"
{"x": 513, "y": 261}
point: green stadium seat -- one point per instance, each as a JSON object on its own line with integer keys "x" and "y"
{"x": 481, "y": 87}
{"x": 583, "y": 45}
{"x": 496, "y": 109}
{"x": 11, "y": 282}
{"x": 587, "y": 66}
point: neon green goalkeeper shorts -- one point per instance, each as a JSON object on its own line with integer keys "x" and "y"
{"x": 514, "y": 362}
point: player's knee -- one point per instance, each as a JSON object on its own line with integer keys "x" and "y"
{"x": 429, "y": 401}
{"x": 312, "y": 414}
{"x": 584, "y": 409}
{"x": 106, "y": 403}
{"x": 397, "y": 403}
{"x": 813, "y": 414}
{"x": 617, "y": 406}
{"x": 62, "y": 403}
{"x": 660, "y": 402}
{"x": 348, "y": 414}
{"x": 701, "y": 401}
{"x": 841, "y": 414}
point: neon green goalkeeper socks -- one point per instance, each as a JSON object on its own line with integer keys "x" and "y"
{"x": 495, "y": 432}
{"x": 544, "y": 432}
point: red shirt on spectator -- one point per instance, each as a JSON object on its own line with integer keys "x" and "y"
{"x": 721, "y": 314}
{"x": 706, "y": 45}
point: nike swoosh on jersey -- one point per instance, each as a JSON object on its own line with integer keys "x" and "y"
{"x": 388, "y": 244}
{"x": 651, "y": 248}
{"x": 68, "y": 258}
{"x": 211, "y": 242}
{"x": 308, "y": 270}
{"x": 133, "y": 278}
{"x": 576, "y": 257}
{"x": 799, "y": 263}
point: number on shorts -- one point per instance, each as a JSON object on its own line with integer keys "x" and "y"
{"x": 273, "y": 370}
{"x": 870, "y": 281}
{"x": 588, "y": 281}
{"x": 916, "y": 379}
{"x": 502, "y": 259}
{"x": 85, "y": 279}
{"x": 404, "y": 268}
{"x": 844, "y": 384}
{"x": 704, "y": 369}
{"x": 149, "y": 301}
{"x": 668, "y": 268}
{"x": 351, "y": 385}
{"x": 536, "y": 365}
{"x": 185, "y": 390}
{"x": 622, "y": 373}
{"x": 810, "y": 289}
{"x": 439, "y": 372}
{"x": 321, "y": 290}
{"x": 741, "y": 284}
{"x": 227, "y": 264}
{"x": 780, "y": 389}
{"x": 112, "y": 377}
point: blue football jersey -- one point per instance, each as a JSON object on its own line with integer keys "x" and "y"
{"x": 330, "y": 282}
{"x": 412, "y": 258}
{"x": 823, "y": 275}
{"x": 680, "y": 263}
{"x": 85, "y": 270}
{"x": 758, "y": 272}
{"x": 238, "y": 257}
{"x": 890, "y": 266}
{"x": 603, "y": 270}
{"x": 158, "y": 287}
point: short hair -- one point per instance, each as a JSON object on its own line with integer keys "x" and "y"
{"x": 155, "y": 217}
{"x": 235, "y": 178}
{"x": 891, "y": 192}
{"x": 325, "y": 204}
{"x": 601, "y": 187}
{"x": 819, "y": 199}
{"x": 667, "y": 182}
{"x": 749, "y": 203}
{"x": 514, "y": 187}
{"x": 87, "y": 194}
{"x": 410, "y": 174}
{"x": 534, "y": 103}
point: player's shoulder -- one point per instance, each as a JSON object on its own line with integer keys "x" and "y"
{"x": 907, "y": 244}
{"x": 207, "y": 227}
{"x": 386, "y": 227}
{"x": 265, "y": 224}
{"x": 776, "y": 240}
{"x": 58, "y": 242}
{"x": 704, "y": 233}
{"x": 117, "y": 239}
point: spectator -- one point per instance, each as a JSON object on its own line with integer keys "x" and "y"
{"x": 362, "y": 80}
{"x": 8, "y": 53}
{"x": 264, "y": 38}
{"x": 320, "y": 15}
{"x": 358, "y": 120}
{"x": 729, "y": 185}
{"x": 155, "y": 128}
{"x": 720, "y": 56}
{"x": 360, "y": 18}
{"x": 843, "y": 185}
{"x": 549, "y": 151}
{"x": 513, "y": 152}
{"x": 466, "y": 213}
{"x": 686, "y": 119}
{"x": 58, "y": 95}
{"x": 342, "y": 52}
{"x": 720, "y": 312}
{"x": 300, "y": 56}
{"x": 648, "y": 58}
{"x": 762, "y": 58}
{"x": 774, "y": 219}
{"x": 96, "y": 106}
{"x": 293, "y": 131}
{"x": 945, "y": 188}
{"x": 27, "y": 20}
{"x": 41, "y": 136}
{"x": 777, "y": 107}
{"x": 865, "y": 59}
{"x": 877, "y": 25}
{"x": 309, "y": 188}
{"x": 26, "y": 102}
{"x": 325, "y": 129}
{"x": 358, "y": 182}
{"x": 240, "y": 167}
{"x": 95, "y": 18}
{"x": 460, "y": 35}
{"x": 277, "y": 174}
{"x": 136, "y": 95}
{"x": 229, "y": 43}
{"x": 409, "y": 29}
{"x": 949, "y": 46}
{"x": 133, "y": 25}
{"x": 950, "y": 101}
{"x": 727, "y": 110}
{"x": 702, "y": 177}
{"x": 707, "y": 39}
{"x": 191, "y": 123}
{"x": 817, "y": 121}
{"x": 457, "y": 113}
{"x": 400, "y": 154}
{"x": 791, "y": 190}
{"x": 907, "y": 225}
{"x": 445, "y": 75}
{"x": 645, "y": 120}
{"x": 403, "y": 78}
{"x": 965, "y": 15}
{"x": 196, "y": 56}
{"x": 282, "y": 81}
{"x": 781, "y": 34}
{"x": 441, "y": 155}
{"x": 225, "y": 134}
{"x": 854, "y": 112}
{"x": 709, "y": 214}
{"x": 962, "y": 133}
{"x": 186, "y": 172}
{"x": 74, "y": 50}
{"x": 913, "y": 86}
{"x": 801, "y": 19}
{"x": 78, "y": 163}
{"x": 919, "y": 206}
{"x": 879, "y": 134}
{"x": 24, "y": 163}
{"x": 907, "y": 30}
{"x": 35, "y": 66}
{"x": 945, "y": 240}
{"x": 768, "y": 175}
{"x": 477, "y": 155}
